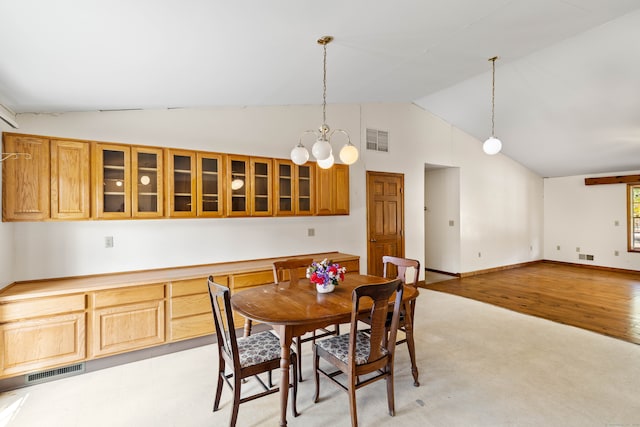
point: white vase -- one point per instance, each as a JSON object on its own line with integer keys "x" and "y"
{"x": 325, "y": 289}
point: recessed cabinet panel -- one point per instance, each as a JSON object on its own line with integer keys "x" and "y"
{"x": 147, "y": 194}
{"x": 112, "y": 167}
{"x": 25, "y": 181}
{"x": 70, "y": 179}
{"x": 209, "y": 185}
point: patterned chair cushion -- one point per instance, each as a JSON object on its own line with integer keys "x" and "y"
{"x": 339, "y": 347}
{"x": 258, "y": 348}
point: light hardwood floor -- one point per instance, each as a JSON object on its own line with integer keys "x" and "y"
{"x": 598, "y": 300}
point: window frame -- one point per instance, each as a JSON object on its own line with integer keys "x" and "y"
{"x": 631, "y": 218}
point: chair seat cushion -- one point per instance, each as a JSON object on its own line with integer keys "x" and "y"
{"x": 258, "y": 348}
{"x": 339, "y": 347}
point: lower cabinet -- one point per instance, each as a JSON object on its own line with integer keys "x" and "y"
{"x": 189, "y": 308}
{"x": 41, "y": 333}
{"x": 247, "y": 280}
{"x": 126, "y": 319}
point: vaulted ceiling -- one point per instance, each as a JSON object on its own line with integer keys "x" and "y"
{"x": 567, "y": 94}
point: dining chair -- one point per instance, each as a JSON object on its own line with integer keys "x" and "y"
{"x": 357, "y": 353}
{"x": 294, "y": 269}
{"x": 245, "y": 356}
{"x": 401, "y": 269}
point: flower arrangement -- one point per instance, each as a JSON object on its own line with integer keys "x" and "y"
{"x": 325, "y": 273}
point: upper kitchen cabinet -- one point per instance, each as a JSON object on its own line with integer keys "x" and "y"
{"x": 210, "y": 167}
{"x": 332, "y": 190}
{"x": 181, "y": 183}
{"x": 25, "y": 179}
{"x": 249, "y": 183}
{"x": 70, "y": 179}
{"x": 112, "y": 181}
{"x": 293, "y": 188}
{"x": 147, "y": 182}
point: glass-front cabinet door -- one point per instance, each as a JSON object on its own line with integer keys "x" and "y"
{"x": 209, "y": 184}
{"x": 304, "y": 189}
{"x": 261, "y": 187}
{"x": 283, "y": 188}
{"x": 181, "y": 183}
{"x": 112, "y": 181}
{"x": 147, "y": 182}
{"x": 238, "y": 193}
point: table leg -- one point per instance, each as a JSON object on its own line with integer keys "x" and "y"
{"x": 284, "y": 333}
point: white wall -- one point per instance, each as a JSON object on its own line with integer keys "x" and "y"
{"x": 581, "y": 216}
{"x": 501, "y": 211}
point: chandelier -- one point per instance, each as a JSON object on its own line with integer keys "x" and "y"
{"x": 322, "y": 149}
{"x": 492, "y": 145}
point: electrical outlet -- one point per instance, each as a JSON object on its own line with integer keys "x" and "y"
{"x": 578, "y": 249}
{"x": 558, "y": 247}
{"x": 479, "y": 255}
{"x": 451, "y": 223}
{"x": 616, "y": 223}
{"x": 311, "y": 232}
{"x": 616, "y": 253}
{"x": 108, "y": 241}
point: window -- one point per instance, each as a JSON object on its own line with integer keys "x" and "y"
{"x": 633, "y": 212}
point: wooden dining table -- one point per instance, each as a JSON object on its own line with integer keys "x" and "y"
{"x": 295, "y": 308}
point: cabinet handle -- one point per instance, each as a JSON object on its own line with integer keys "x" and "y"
{"x": 373, "y": 240}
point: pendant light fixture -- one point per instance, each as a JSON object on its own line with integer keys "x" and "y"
{"x": 322, "y": 149}
{"x": 492, "y": 145}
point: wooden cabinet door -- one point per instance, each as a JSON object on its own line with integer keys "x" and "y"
{"x": 325, "y": 200}
{"x": 70, "y": 179}
{"x": 238, "y": 186}
{"x": 304, "y": 189}
{"x": 25, "y": 181}
{"x": 112, "y": 181}
{"x": 284, "y": 198}
{"x": 261, "y": 187}
{"x": 181, "y": 183}
{"x": 210, "y": 184}
{"x": 147, "y": 182}
{"x": 341, "y": 189}
{"x": 42, "y": 343}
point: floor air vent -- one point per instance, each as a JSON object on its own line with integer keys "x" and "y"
{"x": 54, "y": 374}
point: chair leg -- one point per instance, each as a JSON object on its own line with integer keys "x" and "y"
{"x": 236, "y": 400}
{"x": 408, "y": 328}
{"x": 299, "y": 355}
{"x": 294, "y": 395}
{"x": 352, "y": 401}
{"x": 316, "y": 360}
{"x": 216, "y": 402}
{"x": 390, "y": 396}
{"x": 269, "y": 378}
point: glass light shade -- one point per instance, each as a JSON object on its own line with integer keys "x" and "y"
{"x": 237, "y": 184}
{"x": 145, "y": 180}
{"x": 492, "y": 145}
{"x": 349, "y": 154}
{"x": 326, "y": 163}
{"x": 321, "y": 150}
{"x": 299, "y": 155}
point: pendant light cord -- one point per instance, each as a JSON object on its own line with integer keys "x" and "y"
{"x": 493, "y": 94}
{"x": 324, "y": 86}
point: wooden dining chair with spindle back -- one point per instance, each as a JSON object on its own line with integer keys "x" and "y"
{"x": 363, "y": 355}
{"x": 245, "y": 356}
{"x": 294, "y": 270}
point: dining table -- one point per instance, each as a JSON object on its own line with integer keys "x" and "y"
{"x": 293, "y": 308}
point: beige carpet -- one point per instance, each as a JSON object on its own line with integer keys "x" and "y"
{"x": 480, "y": 365}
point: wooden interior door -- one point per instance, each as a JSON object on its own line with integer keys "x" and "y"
{"x": 385, "y": 218}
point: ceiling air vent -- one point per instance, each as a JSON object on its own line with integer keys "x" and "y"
{"x": 377, "y": 140}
